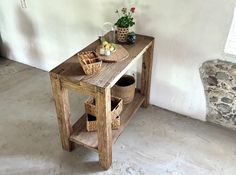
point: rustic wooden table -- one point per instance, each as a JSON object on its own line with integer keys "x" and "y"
{"x": 70, "y": 76}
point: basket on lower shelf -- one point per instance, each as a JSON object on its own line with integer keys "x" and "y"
{"x": 91, "y": 123}
{"x": 125, "y": 88}
{"x": 90, "y": 109}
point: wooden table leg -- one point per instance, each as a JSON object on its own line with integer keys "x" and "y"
{"x": 146, "y": 74}
{"x": 103, "y": 103}
{"x": 61, "y": 99}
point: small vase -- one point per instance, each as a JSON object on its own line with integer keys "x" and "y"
{"x": 131, "y": 38}
{"x": 122, "y": 34}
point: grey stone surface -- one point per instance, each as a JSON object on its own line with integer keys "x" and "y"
{"x": 222, "y": 76}
{"x": 213, "y": 99}
{"x": 224, "y": 108}
{"x": 212, "y": 81}
{"x": 226, "y": 100}
{"x": 219, "y": 80}
{"x": 156, "y": 141}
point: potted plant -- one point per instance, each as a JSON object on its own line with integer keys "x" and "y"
{"x": 125, "y": 21}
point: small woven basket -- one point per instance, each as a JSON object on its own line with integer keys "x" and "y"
{"x": 90, "y": 62}
{"x": 122, "y": 34}
{"x": 116, "y": 109}
{"x": 91, "y": 123}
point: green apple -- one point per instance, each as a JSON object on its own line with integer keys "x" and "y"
{"x": 104, "y": 43}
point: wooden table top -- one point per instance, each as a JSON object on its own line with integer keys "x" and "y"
{"x": 71, "y": 71}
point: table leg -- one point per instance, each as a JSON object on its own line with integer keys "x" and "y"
{"x": 61, "y": 99}
{"x": 103, "y": 104}
{"x": 146, "y": 74}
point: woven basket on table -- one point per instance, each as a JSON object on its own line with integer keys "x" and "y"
{"x": 90, "y": 109}
{"x": 90, "y": 62}
{"x": 122, "y": 34}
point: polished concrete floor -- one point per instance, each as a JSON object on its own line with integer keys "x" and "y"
{"x": 156, "y": 142}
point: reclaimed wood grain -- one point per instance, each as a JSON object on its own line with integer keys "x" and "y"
{"x": 61, "y": 100}
{"x": 80, "y": 87}
{"x": 103, "y": 107}
{"x": 146, "y": 74}
{"x": 110, "y": 72}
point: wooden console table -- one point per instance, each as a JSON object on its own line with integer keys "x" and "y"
{"x": 70, "y": 76}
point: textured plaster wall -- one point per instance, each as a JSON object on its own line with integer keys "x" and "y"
{"x": 187, "y": 32}
{"x": 47, "y": 32}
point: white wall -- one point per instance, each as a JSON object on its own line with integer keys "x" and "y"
{"x": 47, "y": 32}
{"x": 187, "y": 33}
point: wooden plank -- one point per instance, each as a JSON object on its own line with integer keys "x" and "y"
{"x": 146, "y": 74}
{"x": 80, "y": 135}
{"x": 104, "y": 134}
{"x": 80, "y": 87}
{"x": 110, "y": 72}
{"x": 89, "y": 139}
{"x": 61, "y": 100}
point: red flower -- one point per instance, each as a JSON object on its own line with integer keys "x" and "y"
{"x": 132, "y": 9}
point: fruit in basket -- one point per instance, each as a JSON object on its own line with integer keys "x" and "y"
{"x": 108, "y": 46}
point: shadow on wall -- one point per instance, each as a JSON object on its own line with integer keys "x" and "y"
{"x": 28, "y": 32}
{"x": 4, "y": 48}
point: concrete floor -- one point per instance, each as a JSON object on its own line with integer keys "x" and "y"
{"x": 156, "y": 142}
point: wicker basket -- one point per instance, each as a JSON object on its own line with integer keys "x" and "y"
{"x": 125, "y": 88}
{"x": 90, "y": 109}
{"x": 122, "y": 34}
{"x": 90, "y": 62}
{"x": 91, "y": 123}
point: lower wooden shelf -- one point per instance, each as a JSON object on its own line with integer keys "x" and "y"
{"x": 89, "y": 139}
